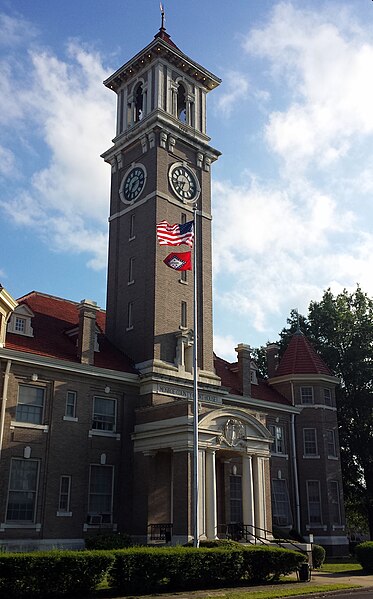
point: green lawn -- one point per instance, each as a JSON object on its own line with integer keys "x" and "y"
{"x": 341, "y": 567}
{"x": 284, "y": 592}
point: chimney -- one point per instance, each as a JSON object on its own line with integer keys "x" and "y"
{"x": 272, "y": 350}
{"x": 87, "y": 329}
{"x": 244, "y": 372}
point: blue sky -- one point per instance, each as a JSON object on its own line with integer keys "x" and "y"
{"x": 293, "y": 118}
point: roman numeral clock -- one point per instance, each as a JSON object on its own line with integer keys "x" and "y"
{"x": 160, "y": 168}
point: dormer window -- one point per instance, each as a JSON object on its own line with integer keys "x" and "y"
{"x": 20, "y": 321}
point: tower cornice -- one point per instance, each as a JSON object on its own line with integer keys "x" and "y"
{"x": 157, "y": 49}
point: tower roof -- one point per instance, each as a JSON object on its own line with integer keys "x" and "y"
{"x": 301, "y": 358}
{"x": 162, "y": 47}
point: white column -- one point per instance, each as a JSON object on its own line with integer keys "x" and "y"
{"x": 211, "y": 506}
{"x": 259, "y": 494}
{"x": 248, "y": 510}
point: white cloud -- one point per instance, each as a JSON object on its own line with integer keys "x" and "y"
{"x": 326, "y": 61}
{"x": 224, "y": 347}
{"x": 65, "y": 103}
{"x": 7, "y": 161}
{"x": 235, "y": 88}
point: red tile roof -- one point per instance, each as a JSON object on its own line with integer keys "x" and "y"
{"x": 54, "y": 317}
{"x": 301, "y": 358}
{"x": 228, "y": 372}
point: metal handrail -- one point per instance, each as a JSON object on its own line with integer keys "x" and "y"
{"x": 251, "y": 534}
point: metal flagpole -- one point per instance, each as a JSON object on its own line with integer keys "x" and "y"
{"x": 195, "y": 391}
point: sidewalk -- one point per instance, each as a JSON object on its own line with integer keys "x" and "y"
{"x": 317, "y": 578}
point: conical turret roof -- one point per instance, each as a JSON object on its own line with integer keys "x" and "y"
{"x": 301, "y": 358}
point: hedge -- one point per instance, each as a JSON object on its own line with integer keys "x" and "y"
{"x": 143, "y": 570}
{"x": 52, "y": 573}
{"x": 364, "y": 555}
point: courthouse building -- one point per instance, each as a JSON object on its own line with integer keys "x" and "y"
{"x": 96, "y": 423}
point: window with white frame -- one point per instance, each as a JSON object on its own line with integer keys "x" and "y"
{"x": 100, "y": 500}
{"x": 22, "y": 491}
{"x": 310, "y": 442}
{"x": 327, "y": 397}
{"x": 314, "y": 502}
{"x": 306, "y": 395}
{"x": 19, "y": 324}
{"x": 71, "y": 398}
{"x": 104, "y": 414}
{"x": 281, "y": 512}
{"x": 30, "y": 404}
{"x": 64, "y": 497}
{"x": 334, "y": 502}
{"x": 278, "y": 445}
{"x": 330, "y": 443}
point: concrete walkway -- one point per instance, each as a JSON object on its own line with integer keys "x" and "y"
{"x": 317, "y": 578}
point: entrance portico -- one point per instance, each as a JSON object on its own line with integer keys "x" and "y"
{"x": 233, "y": 472}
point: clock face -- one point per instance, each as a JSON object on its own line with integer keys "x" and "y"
{"x": 132, "y": 184}
{"x": 183, "y": 182}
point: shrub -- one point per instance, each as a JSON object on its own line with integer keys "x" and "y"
{"x": 364, "y": 555}
{"x": 143, "y": 570}
{"x": 264, "y": 563}
{"x": 318, "y": 556}
{"x": 109, "y": 541}
{"x": 52, "y": 573}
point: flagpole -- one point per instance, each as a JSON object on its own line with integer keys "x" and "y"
{"x": 195, "y": 391}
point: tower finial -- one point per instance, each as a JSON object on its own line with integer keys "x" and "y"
{"x": 163, "y": 19}
{"x": 298, "y": 331}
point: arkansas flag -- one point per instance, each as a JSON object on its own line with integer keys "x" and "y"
{"x": 179, "y": 260}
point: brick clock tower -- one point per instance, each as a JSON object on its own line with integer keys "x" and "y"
{"x": 160, "y": 164}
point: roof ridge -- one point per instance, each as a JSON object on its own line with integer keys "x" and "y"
{"x": 53, "y": 297}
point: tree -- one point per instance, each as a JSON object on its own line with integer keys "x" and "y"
{"x": 341, "y": 330}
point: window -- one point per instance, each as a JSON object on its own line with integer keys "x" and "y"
{"x": 306, "y": 395}
{"x": 139, "y": 103}
{"x": 131, "y": 271}
{"x": 183, "y": 276}
{"x": 309, "y": 442}
{"x": 70, "y": 411}
{"x": 103, "y": 414}
{"x": 278, "y": 445}
{"x": 23, "y": 482}
{"x": 64, "y": 498}
{"x": 314, "y": 502}
{"x": 181, "y": 103}
{"x": 30, "y": 404}
{"x": 334, "y": 502}
{"x": 235, "y": 483}
{"x": 132, "y": 227}
{"x": 331, "y": 447}
{"x": 281, "y": 512}
{"x": 327, "y": 397}
{"x": 183, "y": 321}
{"x": 19, "y": 325}
{"x": 130, "y": 316}
{"x": 100, "y": 499}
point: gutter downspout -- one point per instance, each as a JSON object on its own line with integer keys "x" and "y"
{"x": 3, "y": 403}
{"x": 295, "y": 465}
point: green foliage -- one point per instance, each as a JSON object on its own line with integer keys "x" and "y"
{"x": 364, "y": 555}
{"x": 52, "y": 573}
{"x": 143, "y": 570}
{"x": 108, "y": 541}
{"x": 318, "y": 556}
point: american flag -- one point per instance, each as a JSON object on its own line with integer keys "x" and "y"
{"x": 175, "y": 234}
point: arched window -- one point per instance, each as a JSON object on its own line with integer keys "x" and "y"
{"x": 139, "y": 103}
{"x": 181, "y": 103}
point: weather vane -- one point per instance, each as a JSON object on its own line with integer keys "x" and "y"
{"x": 163, "y": 19}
